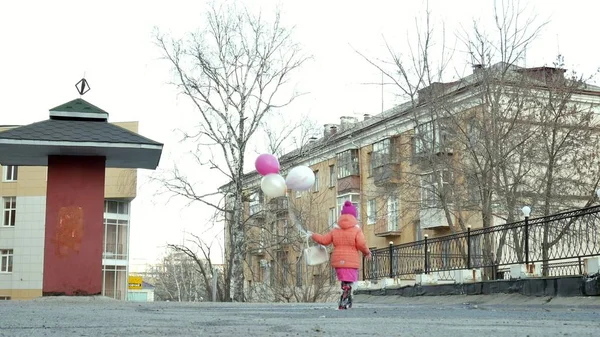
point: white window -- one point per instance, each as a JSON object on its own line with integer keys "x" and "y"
{"x": 316, "y": 185}
{"x": 10, "y": 211}
{"x": 430, "y": 137}
{"x": 256, "y": 203}
{"x": 435, "y": 186}
{"x": 347, "y": 163}
{"x": 371, "y": 211}
{"x": 10, "y": 173}
{"x": 298, "y": 194}
{"x": 418, "y": 231}
{"x": 6, "y": 260}
{"x": 332, "y": 218}
{"x": 392, "y": 213}
{"x": 116, "y": 206}
{"x": 354, "y": 198}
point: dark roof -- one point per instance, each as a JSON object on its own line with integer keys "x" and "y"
{"x": 75, "y": 131}
{"x": 79, "y": 105}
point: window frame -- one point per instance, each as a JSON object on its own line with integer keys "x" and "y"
{"x": 9, "y": 213}
{"x": 332, "y": 176}
{"x": 394, "y": 214}
{"x": 381, "y": 154}
{"x": 332, "y": 216}
{"x": 371, "y": 211}
{"x": 430, "y": 186}
{"x": 7, "y": 255}
{"x": 316, "y": 184}
{"x": 12, "y": 170}
{"x": 348, "y": 165}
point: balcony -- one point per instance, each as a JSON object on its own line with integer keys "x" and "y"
{"x": 383, "y": 228}
{"x": 349, "y": 184}
{"x": 432, "y": 218}
{"x": 256, "y": 211}
{"x": 387, "y": 174}
{"x": 279, "y": 205}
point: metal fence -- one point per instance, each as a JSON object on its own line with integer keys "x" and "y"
{"x": 559, "y": 242}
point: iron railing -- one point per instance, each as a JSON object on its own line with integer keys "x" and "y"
{"x": 559, "y": 242}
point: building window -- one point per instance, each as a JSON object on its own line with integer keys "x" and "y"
{"x": 381, "y": 154}
{"x": 6, "y": 260}
{"x": 332, "y": 218}
{"x": 430, "y": 137}
{"x": 332, "y": 177}
{"x": 371, "y": 211}
{"x": 347, "y": 163}
{"x": 10, "y": 172}
{"x": 115, "y": 239}
{"x": 4, "y": 298}
{"x": 435, "y": 186}
{"x": 418, "y": 231}
{"x": 316, "y": 185}
{"x": 354, "y": 198}
{"x": 298, "y": 194}
{"x": 392, "y": 213}
{"x": 10, "y": 211}
{"x": 116, "y": 206}
{"x": 370, "y": 168}
{"x": 114, "y": 283}
{"x": 256, "y": 203}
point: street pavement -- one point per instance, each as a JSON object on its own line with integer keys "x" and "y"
{"x": 371, "y": 316}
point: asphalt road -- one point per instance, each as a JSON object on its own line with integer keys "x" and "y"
{"x": 417, "y": 317}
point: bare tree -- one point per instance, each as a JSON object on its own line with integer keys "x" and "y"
{"x": 501, "y": 148}
{"x": 275, "y": 261}
{"x": 235, "y": 72}
{"x": 177, "y": 278}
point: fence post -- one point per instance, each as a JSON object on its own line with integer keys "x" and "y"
{"x": 527, "y": 242}
{"x": 391, "y": 259}
{"x": 426, "y": 255}
{"x": 469, "y": 247}
{"x": 363, "y": 267}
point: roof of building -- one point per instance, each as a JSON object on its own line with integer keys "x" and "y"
{"x": 449, "y": 88}
{"x": 78, "y": 128}
{"x": 79, "y": 105}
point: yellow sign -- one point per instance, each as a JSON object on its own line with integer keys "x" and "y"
{"x": 135, "y": 282}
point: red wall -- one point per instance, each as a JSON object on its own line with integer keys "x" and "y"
{"x": 74, "y": 226}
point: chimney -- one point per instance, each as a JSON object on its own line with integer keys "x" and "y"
{"x": 477, "y": 68}
{"x": 327, "y": 129}
{"x": 333, "y": 130}
{"x": 346, "y": 122}
{"x": 366, "y": 116}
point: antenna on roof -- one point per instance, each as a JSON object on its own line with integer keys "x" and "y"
{"x": 82, "y": 86}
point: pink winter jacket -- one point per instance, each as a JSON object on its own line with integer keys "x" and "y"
{"x": 347, "y": 240}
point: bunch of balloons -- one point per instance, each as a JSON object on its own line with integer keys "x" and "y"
{"x": 300, "y": 178}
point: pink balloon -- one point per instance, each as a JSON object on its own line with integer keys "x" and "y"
{"x": 266, "y": 164}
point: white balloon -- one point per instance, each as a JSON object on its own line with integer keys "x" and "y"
{"x": 300, "y": 178}
{"x": 273, "y": 185}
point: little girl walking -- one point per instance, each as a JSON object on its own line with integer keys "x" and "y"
{"x": 348, "y": 239}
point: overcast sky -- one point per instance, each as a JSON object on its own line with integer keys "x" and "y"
{"x": 47, "y": 46}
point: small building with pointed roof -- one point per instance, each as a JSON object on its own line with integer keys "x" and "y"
{"x": 76, "y": 144}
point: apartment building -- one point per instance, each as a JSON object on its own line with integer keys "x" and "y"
{"x": 23, "y": 194}
{"x": 423, "y": 168}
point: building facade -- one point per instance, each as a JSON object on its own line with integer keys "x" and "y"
{"x": 432, "y": 166}
{"x": 23, "y": 193}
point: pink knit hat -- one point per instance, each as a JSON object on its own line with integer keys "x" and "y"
{"x": 349, "y": 209}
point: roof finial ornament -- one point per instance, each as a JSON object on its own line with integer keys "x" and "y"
{"x": 82, "y": 86}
